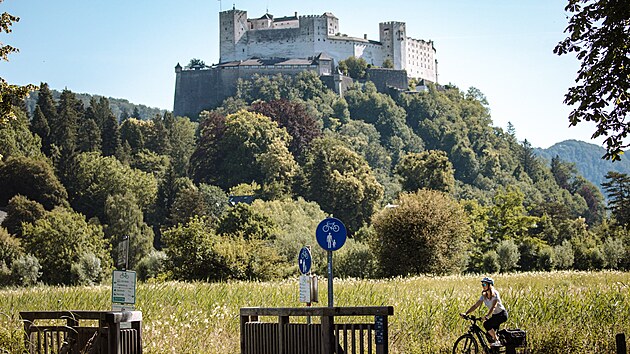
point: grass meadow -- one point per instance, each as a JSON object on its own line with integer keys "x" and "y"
{"x": 562, "y": 312}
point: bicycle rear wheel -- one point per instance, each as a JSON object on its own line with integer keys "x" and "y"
{"x": 465, "y": 344}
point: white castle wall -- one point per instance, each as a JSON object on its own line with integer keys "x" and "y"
{"x": 241, "y": 39}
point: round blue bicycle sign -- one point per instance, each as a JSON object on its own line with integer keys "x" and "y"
{"x": 331, "y": 234}
{"x": 304, "y": 260}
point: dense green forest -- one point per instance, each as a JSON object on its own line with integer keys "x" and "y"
{"x": 423, "y": 182}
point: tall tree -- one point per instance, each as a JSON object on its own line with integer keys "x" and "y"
{"x": 617, "y": 187}
{"x": 89, "y": 138}
{"x": 341, "y": 182}
{"x": 599, "y": 35}
{"x": 294, "y": 117}
{"x": 110, "y": 136}
{"x": 34, "y": 179}
{"x": 64, "y": 132}
{"x": 428, "y": 169}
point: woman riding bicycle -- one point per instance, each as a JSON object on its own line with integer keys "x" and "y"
{"x": 497, "y": 313}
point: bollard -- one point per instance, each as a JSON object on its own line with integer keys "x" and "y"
{"x": 620, "y": 338}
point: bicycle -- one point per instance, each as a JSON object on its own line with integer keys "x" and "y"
{"x": 469, "y": 342}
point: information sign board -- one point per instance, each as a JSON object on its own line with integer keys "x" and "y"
{"x": 124, "y": 287}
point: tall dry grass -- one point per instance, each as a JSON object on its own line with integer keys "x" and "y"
{"x": 563, "y": 312}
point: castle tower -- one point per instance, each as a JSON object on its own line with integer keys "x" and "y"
{"x": 393, "y": 36}
{"x": 232, "y": 31}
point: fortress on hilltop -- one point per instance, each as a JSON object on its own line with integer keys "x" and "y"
{"x": 292, "y": 44}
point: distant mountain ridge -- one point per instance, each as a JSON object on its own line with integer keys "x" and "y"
{"x": 587, "y": 158}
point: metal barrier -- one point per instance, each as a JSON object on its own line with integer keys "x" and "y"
{"x": 106, "y": 338}
{"x": 326, "y": 337}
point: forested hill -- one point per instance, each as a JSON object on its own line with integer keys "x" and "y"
{"x": 587, "y": 159}
{"x": 119, "y": 106}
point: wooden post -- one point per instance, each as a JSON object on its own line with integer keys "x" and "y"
{"x": 244, "y": 320}
{"x": 282, "y": 322}
{"x": 381, "y": 336}
{"x": 113, "y": 334}
{"x": 328, "y": 334}
{"x": 620, "y": 339}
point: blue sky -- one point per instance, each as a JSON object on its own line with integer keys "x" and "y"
{"x": 128, "y": 49}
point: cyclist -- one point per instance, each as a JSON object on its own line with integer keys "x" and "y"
{"x": 497, "y": 313}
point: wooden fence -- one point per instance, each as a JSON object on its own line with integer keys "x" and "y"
{"x": 106, "y": 336}
{"x": 325, "y": 337}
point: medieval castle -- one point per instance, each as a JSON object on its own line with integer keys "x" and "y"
{"x": 289, "y": 45}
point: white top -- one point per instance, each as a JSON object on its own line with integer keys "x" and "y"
{"x": 488, "y": 302}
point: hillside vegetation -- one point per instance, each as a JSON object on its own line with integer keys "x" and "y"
{"x": 562, "y": 312}
{"x": 587, "y": 159}
{"x": 423, "y": 182}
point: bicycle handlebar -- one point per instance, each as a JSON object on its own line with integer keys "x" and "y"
{"x": 472, "y": 318}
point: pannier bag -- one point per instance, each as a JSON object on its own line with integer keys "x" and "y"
{"x": 513, "y": 337}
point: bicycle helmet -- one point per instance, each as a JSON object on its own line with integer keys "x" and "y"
{"x": 487, "y": 280}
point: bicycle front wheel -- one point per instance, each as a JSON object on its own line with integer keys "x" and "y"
{"x": 465, "y": 344}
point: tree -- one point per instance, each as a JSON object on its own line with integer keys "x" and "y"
{"x": 617, "y": 188}
{"x": 89, "y": 138}
{"x": 248, "y": 147}
{"x": 21, "y": 210}
{"x": 426, "y": 233}
{"x": 39, "y": 124}
{"x": 110, "y": 136}
{"x": 60, "y": 239}
{"x": 182, "y": 138}
{"x": 388, "y": 64}
{"x": 17, "y": 140}
{"x": 124, "y": 218}
{"x": 599, "y": 35}
{"x": 34, "y": 179}
{"x": 428, "y": 169}
{"x": 292, "y": 116}
{"x": 341, "y": 182}
{"x": 354, "y": 67}
{"x": 9, "y": 92}
{"x": 194, "y": 63}
{"x": 97, "y": 177}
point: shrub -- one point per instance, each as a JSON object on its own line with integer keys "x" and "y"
{"x": 508, "y": 254}
{"x": 564, "y": 255}
{"x": 10, "y": 247}
{"x": 25, "y": 271}
{"x": 491, "y": 263}
{"x": 355, "y": 260}
{"x": 87, "y": 271}
{"x": 151, "y": 265}
{"x": 426, "y": 233}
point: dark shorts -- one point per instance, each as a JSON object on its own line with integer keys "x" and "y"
{"x": 494, "y": 321}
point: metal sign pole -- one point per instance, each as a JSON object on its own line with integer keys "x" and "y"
{"x": 330, "y": 280}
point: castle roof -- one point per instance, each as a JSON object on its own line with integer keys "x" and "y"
{"x": 277, "y": 61}
{"x": 286, "y": 18}
{"x": 267, "y": 16}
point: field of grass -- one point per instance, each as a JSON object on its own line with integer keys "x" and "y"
{"x": 563, "y": 312}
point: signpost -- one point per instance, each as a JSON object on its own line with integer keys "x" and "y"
{"x": 123, "y": 253}
{"x": 331, "y": 235}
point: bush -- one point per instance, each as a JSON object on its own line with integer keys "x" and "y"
{"x": 427, "y": 233}
{"x": 151, "y": 265}
{"x": 614, "y": 252}
{"x": 87, "y": 271}
{"x": 546, "y": 258}
{"x": 25, "y": 271}
{"x": 61, "y": 239}
{"x": 564, "y": 255}
{"x": 10, "y": 247}
{"x": 508, "y": 254}
{"x": 355, "y": 260}
{"x": 491, "y": 262}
